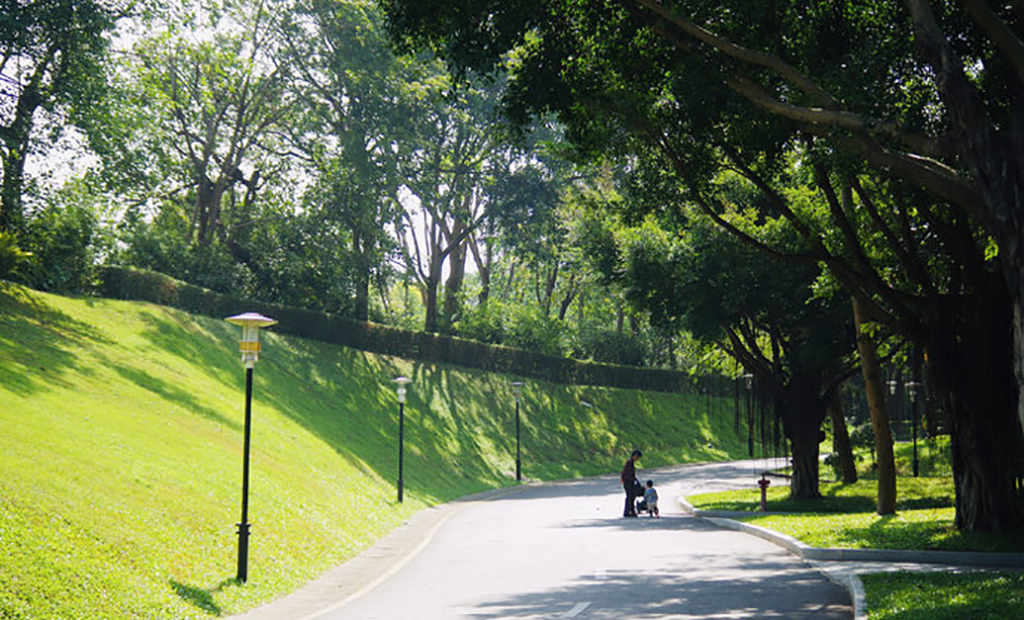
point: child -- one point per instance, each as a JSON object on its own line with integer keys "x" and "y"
{"x": 651, "y": 498}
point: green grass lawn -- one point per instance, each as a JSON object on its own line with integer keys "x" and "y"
{"x": 845, "y": 517}
{"x": 121, "y": 454}
{"x": 945, "y": 596}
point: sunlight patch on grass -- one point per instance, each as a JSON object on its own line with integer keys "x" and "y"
{"x": 122, "y": 454}
{"x": 845, "y": 517}
{"x": 945, "y": 596}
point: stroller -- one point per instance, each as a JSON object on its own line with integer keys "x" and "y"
{"x": 641, "y": 503}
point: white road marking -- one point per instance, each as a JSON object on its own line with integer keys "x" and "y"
{"x": 575, "y": 611}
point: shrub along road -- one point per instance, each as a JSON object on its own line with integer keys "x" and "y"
{"x": 562, "y": 551}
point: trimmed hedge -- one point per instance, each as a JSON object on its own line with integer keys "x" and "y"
{"x": 136, "y": 285}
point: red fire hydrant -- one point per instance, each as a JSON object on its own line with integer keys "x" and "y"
{"x": 764, "y": 483}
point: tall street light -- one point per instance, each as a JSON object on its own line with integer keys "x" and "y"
{"x": 402, "y": 382}
{"x": 517, "y": 390}
{"x": 912, "y": 395}
{"x": 251, "y": 324}
{"x": 749, "y": 378}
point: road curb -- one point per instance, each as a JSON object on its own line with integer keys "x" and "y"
{"x": 846, "y": 579}
{"x": 849, "y": 578}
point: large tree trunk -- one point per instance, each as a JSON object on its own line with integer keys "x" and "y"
{"x": 802, "y": 411}
{"x": 841, "y": 439}
{"x": 1016, "y": 288}
{"x": 361, "y": 303}
{"x": 11, "y": 216}
{"x": 886, "y": 503}
{"x": 971, "y": 366}
{"x": 430, "y": 305}
{"x": 453, "y": 288}
{"x": 986, "y": 419}
{"x": 16, "y": 136}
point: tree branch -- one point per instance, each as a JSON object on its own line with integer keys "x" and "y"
{"x": 743, "y": 54}
{"x": 997, "y": 30}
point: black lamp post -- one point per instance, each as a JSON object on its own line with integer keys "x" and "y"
{"x": 912, "y": 395}
{"x": 894, "y": 411}
{"x": 749, "y": 378}
{"x": 250, "y": 323}
{"x": 517, "y": 390}
{"x": 402, "y": 382}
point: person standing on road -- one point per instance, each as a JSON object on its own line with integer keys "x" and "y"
{"x": 630, "y": 484}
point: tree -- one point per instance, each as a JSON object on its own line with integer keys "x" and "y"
{"x": 51, "y": 59}
{"x": 765, "y": 316}
{"x": 218, "y": 102}
{"x": 927, "y": 100}
{"x": 357, "y": 105}
{"x": 450, "y": 150}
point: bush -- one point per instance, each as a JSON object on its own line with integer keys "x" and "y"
{"x": 484, "y": 324}
{"x": 532, "y": 331}
{"x": 526, "y": 361}
{"x": 611, "y": 347}
{"x": 863, "y": 436}
{"x": 61, "y": 240}
{"x": 14, "y": 261}
{"x": 159, "y": 247}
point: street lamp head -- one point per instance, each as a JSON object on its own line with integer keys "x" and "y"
{"x": 517, "y": 390}
{"x": 892, "y": 386}
{"x": 912, "y": 390}
{"x": 402, "y": 382}
{"x": 251, "y": 323}
{"x": 750, "y": 380}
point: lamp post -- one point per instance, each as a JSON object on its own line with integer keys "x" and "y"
{"x": 401, "y": 382}
{"x": 517, "y": 390}
{"x": 251, "y": 323}
{"x": 749, "y": 378}
{"x": 894, "y": 411}
{"x": 912, "y": 395}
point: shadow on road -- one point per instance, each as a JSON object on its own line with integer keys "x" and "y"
{"x": 678, "y": 591}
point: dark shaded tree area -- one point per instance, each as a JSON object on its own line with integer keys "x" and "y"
{"x": 906, "y": 121}
{"x": 688, "y": 272}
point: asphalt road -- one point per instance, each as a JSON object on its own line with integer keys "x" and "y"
{"x": 564, "y": 551}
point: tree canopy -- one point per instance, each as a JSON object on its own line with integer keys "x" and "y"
{"x": 903, "y": 117}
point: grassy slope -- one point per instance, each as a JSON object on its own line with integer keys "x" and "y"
{"x": 120, "y": 454}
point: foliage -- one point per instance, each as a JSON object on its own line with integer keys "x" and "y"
{"x": 944, "y": 596}
{"x": 873, "y": 128}
{"x": 160, "y": 246}
{"x": 530, "y": 330}
{"x": 484, "y": 323}
{"x": 863, "y": 436}
{"x": 923, "y": 529}
{"x": 845, "y": 517}
{"x": 51, "y": 57}
{"x": 14, "y": 261}
{"x": 611, "y": 347}
{"x": 121, "y": 283}
{"x": 122, "y": 441}
{"x": 685, "y": 271}
{"x": 66, "y": 240}
{"x": 832, "y": 460}
{"x": 933, "y": 492}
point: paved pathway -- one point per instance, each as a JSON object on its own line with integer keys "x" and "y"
{"x": 563, "y": 551}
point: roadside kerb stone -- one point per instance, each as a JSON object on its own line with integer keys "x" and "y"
{"x": 852, "y": 561}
